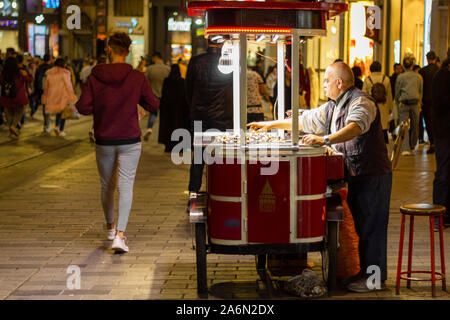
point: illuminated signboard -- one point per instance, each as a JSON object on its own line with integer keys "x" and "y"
{"x": 50, "y": 4}
{"x": 184, "y": 26}
{"x": 8, "y": 24}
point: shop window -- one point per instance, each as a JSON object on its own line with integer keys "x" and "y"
{"x": 129, "y": 8}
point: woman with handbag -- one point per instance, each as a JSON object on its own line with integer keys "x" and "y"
{"x": 58, "y": 93}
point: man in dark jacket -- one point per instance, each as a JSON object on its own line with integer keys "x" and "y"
{"x": 209, "y": 94}
{"x": 350, "y": 123}
{"x": 441, "y": 131}
{"x": 427, "y": 74}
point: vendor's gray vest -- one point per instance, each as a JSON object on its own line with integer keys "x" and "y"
{"x": 366, "y": 155}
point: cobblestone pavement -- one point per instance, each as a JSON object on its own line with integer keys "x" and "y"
{"x": 51, "y": 218}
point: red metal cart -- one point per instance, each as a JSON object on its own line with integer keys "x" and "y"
{"x": 266, "y": 198}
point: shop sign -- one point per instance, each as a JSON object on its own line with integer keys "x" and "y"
{"x": 127, "y": 24}
{"x": 8, "y": 24}
{"x": 183, "y": 26}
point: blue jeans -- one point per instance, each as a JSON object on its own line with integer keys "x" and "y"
{"x": 60, "y": 122}
{"x": 369, "y": 201}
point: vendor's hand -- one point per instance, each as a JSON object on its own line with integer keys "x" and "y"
{"x": 312, "y": 139}
{"x": 263, "y": 125}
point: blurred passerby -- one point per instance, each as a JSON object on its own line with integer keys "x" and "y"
{"x": 20, "y": 63}
{"x": 378, "y": 86}
{"x": 440, "y": 94}
{"x": 357, "y": 73}
{"x": 156, "y": 73}
{"x": 13, "y": 94}
{"x": 210, "y": 97}
{"x": 58, "y": 93}
{"x": 39, "y": 87}
{"x": 408, "y": 96}
{"x": 111, "y": 94}
{"x": 173, "y": 109}
{"x": 142, "y": 66}
{"x": 398, "y": 69}
{"x": 183, "y": 68}
{"x": 101, "y": 60}
{"x": 256, "y": 91}
{"x": 427, "y": 74}
{"x": 271, "y": 81}
{"x": 86, "y": 71}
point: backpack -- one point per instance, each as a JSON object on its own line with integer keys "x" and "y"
{"x": 378, "y": 91}
{"x": 9, "y": 89}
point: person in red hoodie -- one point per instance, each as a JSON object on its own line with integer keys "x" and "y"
{"x": 112, "y": 94}
{"x": 13, "y": 94}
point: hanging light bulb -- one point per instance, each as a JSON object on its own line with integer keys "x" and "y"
{"x": 226, "y": 60}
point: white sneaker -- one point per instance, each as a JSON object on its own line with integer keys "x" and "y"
{"x": 406, "y": 153}
{"x": 119, "y": 245}
{"x": 61, "y": 134}
{"x": 110, "y": 233}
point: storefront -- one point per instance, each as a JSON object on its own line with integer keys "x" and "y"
{"x": 361, "y": 46}
{"x": 406, "y": 34}
{"x": 9, "y": 24}
{"x": 135, "y": 25}
{"x": 183, "y": 36}
{"x": 179, "y": 39}
{"x": 40, "y": 28}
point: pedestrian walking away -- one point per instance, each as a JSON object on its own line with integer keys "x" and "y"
{"x": 350, "y": 123}
{"x": 39, "y": 88}
{"x": 155, "y": 73}
{"x": 173, "y": 109}
{"x": 378, "y": 86}
{"x": 427, "y": 74}
{"x": 13, "y": 94}
{"x": 58, "y": 93}
{"x": 441, "y": 131}
{"x": 210, "y": 97}
{"x": 408, "y": 96}
{"x": 111, "y": 94}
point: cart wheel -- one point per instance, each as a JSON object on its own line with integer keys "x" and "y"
{"x": 200, "y": 249}
{"x": 329, "y": 256}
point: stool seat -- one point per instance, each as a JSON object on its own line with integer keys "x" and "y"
{"x": 422, "y": 209}
{"x": 432, "y": 212}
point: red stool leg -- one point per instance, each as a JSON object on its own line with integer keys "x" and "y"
{"x": 433, "y": 275}
{"x": 410, "y": 249}
{"x": 400, "y": 254}
{"x": 441, "y": 244}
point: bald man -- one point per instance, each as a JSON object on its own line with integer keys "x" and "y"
{"x": 350, "y": 123}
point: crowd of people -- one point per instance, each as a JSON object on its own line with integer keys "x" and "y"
{"x": 29, "y": 83}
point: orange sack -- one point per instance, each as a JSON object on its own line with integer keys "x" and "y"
{"x": 348, "y": 255}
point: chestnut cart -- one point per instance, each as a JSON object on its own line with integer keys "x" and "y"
{"x": 268, "y": 194}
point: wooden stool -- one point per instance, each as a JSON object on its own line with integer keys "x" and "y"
{"x": 424, "y": 210}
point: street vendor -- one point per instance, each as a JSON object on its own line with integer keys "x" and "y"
{"x": 350, "y": 123}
